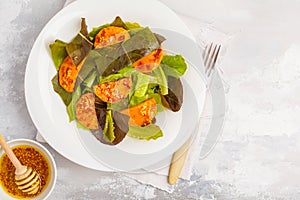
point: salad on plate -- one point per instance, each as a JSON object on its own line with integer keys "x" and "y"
{"x": 115, "y": 80}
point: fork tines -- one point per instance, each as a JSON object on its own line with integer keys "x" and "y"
{"x": 210, "y": 56}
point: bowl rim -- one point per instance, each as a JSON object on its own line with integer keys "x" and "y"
{"x": 49, "y": 157}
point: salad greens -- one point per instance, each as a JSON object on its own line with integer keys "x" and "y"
{"x": 125, "y": 98}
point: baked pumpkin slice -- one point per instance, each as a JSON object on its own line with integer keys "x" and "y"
{"x": 142, "y": 114}
{"x": 149, "y": 62}
{"x": 68, "y": 73}
{"x": 109, "y": 36}
{"x": 115, "y": 91}
{"x": 85, "y": 111}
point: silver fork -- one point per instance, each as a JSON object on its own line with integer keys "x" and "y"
{"x": 210, "y": 56}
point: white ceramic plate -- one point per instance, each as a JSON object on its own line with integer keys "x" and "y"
{"x": 48, "y": 111}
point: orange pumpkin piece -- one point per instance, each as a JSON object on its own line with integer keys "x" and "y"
{"x": 114, "y": 91}
{"x": 143, "y": 113}
{"x": 67, "y": 73}
{"x": 149, "y": 62}
{"x": 85, "y": 111}
{"x": 110, "y": 35}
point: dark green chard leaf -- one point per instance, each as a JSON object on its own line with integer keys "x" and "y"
{"x": 174, "y": 65}
{"x": 173, "y": 100}
{"x": 80, "y": 46}
{"x": 159, "y": 38}
{"x": 91, "y": 79}
{"x": 58, "y": 52}
{"x": 71, "y": 107}
{"x": 119, "y": 23}
{"x": 121, "y": 105}
{"x": 65, "y": 96}
{"x": 88, "y": 67}
{"x": 148, "y": 132}
{"x": 112, "y": 59}
{"x": 140, "y": 44}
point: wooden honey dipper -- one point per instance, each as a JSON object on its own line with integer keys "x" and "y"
{"x": 27, "y": 180}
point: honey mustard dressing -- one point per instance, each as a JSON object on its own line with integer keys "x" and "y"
{"x": 28, "y": 156}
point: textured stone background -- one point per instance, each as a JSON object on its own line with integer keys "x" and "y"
{"x": 257, "y": 156}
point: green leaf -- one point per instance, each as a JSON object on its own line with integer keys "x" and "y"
{"x": 64, "y": 95}
{"x": 112, "y": 59}
{"x": 141, "y": 84}
{"x": 161, "y": 80}
{"x": 90, "y": 80}
{"x": 174, "y": 65}
{"x": 71, "y": 107}
{"x": 58, "y": 52}
{"x": 108, "y": 129}
{"x": 140, "y": 44}
{"x": 125, "y": 72}
{"x": 148, "y": 132}
{"x": 173, "y": 100}
{"x": 118, "y": 22}
{"x": 80, "y": 125}
{"x": 121, "y": 105}
{"x": 132, "y": 25}
{"x": 80, "y": 46}
{"x": 88, "y": 67}
{"x": 159, "y": 38}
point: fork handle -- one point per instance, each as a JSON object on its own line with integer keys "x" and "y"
{"x": 178, "y": 161}
{"x": 176, "y": 166}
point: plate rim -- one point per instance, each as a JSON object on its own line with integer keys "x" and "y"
{"x": 38, "y": 41}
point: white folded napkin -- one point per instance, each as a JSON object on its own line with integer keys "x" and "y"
{"x": 158, "y": 178}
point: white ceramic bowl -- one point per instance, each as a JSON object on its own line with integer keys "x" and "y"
{"x": 53, "y": 172}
